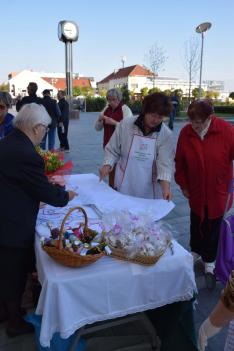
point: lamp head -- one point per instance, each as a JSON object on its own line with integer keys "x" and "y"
{"x": 203, "y": 27}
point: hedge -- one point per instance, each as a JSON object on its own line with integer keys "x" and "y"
{"x": 224, "y": 109}
{"x": 95, "y": 104}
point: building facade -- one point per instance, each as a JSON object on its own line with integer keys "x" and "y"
{"x": 137, "y": 77}
{"x": 18, "y": 82}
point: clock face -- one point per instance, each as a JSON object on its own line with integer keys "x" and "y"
{"x": 69, "y": 30}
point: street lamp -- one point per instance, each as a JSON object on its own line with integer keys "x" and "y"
{"x": 201, "y": 29}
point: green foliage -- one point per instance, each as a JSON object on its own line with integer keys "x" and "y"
{"x": 154, "y": 90}
{"x": 86, "y": 91}
{"x": 95, "y": 104}
{"x": 179, "y": 93}
{"x": 231, "y": 95}
{"x": 76, "y": 91}
{"x": 4, "y": 87}
{"x": 211, "y": 94}
{"x": 126, "y": 95}
{"x": 167, "y": 92}
{"x": 102, "y": 92}
{"x": 144, "y": 91}
{"x": 195, "y": 92}
{"x": 135, "y": 106}
{"x": 224, "y": 109}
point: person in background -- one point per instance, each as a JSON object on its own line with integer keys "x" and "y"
{"x": 142, "y": 148}
{"x": 32, "y": 97}
{"x": 110, "y": 117}
{"x": 221, "y": 315}
{"x": 54, "y": 112}
{"x": 23, "y": 185}
{"x": 63, "y": 121}
{"x": 204, "y": 155}
{"x": 175, "y": 105}
{"x": 6, "y": 118}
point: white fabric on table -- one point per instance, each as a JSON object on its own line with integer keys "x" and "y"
{"x": 74, "y": 297}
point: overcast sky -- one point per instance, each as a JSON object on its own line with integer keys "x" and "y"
{"x": 111, "y": 29}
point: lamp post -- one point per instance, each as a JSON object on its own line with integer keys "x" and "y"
{"x": 201, "y": 29}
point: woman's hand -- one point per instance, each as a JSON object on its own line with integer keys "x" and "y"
{"x": 110, "y": 121}
{"x": 104, "y": 171}
{"x": 166, "y": 190}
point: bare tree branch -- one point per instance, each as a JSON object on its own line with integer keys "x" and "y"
{"x": 191, "y": 59}
{"x": 156, "y": 58}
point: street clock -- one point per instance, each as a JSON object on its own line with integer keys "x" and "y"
{"x": 68, "y": 31}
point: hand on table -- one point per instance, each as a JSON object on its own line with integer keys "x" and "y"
{"x": 104, "y": 171}
{"x": 71, "y": 194}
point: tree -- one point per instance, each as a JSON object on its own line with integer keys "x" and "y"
{"x": 154, "y": 90}
{"x": 4, "y": 87}
{"x": 144, "y": 91}
{"x": 102, "y": 92}
{"x": 126, "y": 95}
{"x": 211, "y": 94}
{"x": 191, "y": 59}
{"x": 231, "y": 95}
{"x": 167, "y": 92}
{"x": 195, "y": 93}
{"x": 156, "y": 59}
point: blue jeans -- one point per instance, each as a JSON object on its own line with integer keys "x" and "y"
{"x": 51, "y": 139}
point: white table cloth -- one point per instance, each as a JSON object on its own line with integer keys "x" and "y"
{"x": 73, "y": 297}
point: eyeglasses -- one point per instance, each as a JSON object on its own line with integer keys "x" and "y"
{"x": 3, "y": 107}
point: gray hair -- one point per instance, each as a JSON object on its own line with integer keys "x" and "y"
{"x": 5, "y": 98}
{"x": 114, "y": 93}
{"x": 31, "y": 115}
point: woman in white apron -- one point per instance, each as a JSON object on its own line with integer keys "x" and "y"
{"x": 142, "y": 149}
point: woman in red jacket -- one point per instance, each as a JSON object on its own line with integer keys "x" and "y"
{"x": 204, "y": 155}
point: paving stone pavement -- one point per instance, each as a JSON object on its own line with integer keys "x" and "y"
{"x": 87, "y": 155}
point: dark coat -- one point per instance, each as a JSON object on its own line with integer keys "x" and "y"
{"x": 28, "y": 100}
{"x": 204, "y": 167}
{"x": 53, "y": 110}
{"x": 22, "y": 186}
{"x": 64, "y": 108}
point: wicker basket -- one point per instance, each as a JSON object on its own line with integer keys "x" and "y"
{"x": 66, "y": 257}
{"x": 122, "y": 254}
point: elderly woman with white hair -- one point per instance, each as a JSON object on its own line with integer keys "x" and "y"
{"x": 6, "y": 118}
{"x": 23, "y": 185}
{"x": 110, "y": 117}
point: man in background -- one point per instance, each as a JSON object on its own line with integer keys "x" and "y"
{"x": 54, "y": 112}
{"x": 32, "y": 97}
{"x": 63, "y": 121}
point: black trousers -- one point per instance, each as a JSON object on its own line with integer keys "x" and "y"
{"x": 62, "y": 135}
{"x": 204, "y": 236}
{"x": 15, "y": 264}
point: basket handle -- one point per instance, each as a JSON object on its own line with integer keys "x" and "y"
{"x": 64, "y": 221}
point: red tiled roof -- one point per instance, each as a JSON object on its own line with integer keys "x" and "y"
{"x": 135, "y": 70}
{"x": 60, "y": 83}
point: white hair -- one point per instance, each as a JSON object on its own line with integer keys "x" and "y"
{"x": 31, "y": 115}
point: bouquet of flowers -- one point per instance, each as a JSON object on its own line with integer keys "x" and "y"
{"x": 55, "y": 167}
